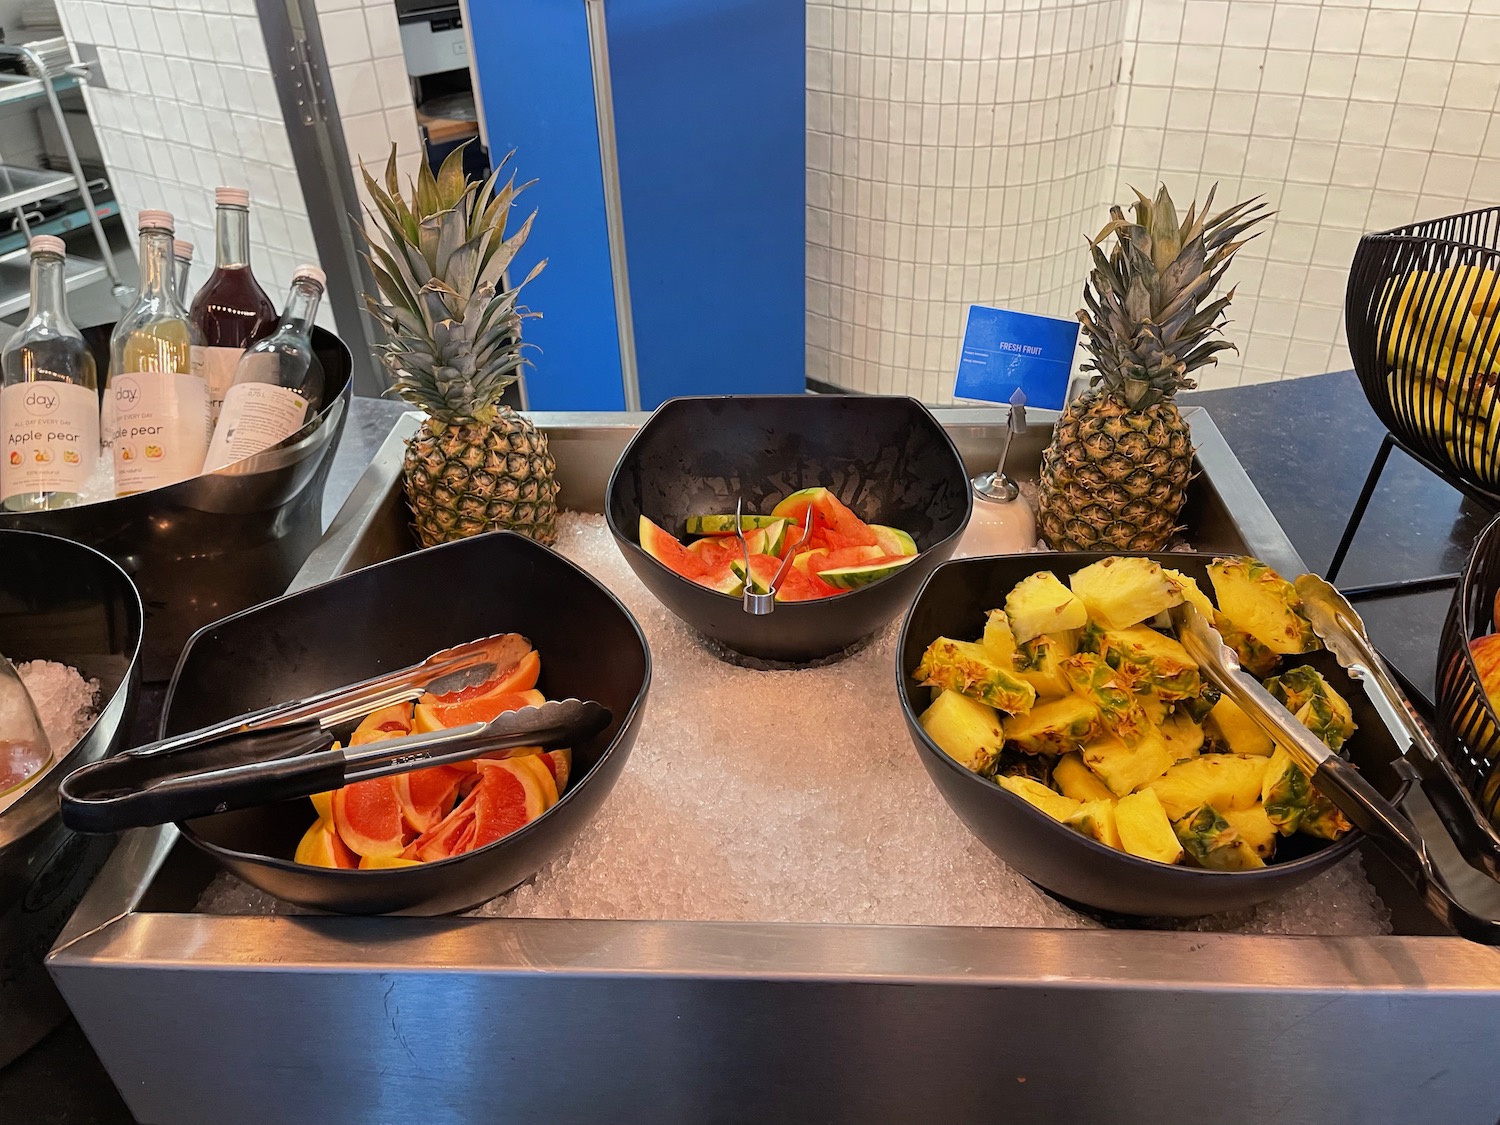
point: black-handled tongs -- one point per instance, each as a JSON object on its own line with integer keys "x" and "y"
{"x": 234, "y": 770}
{"x": 1338, "y": 780}
{"x": 1342, "y": 631}
{"x": 452, "y": 669}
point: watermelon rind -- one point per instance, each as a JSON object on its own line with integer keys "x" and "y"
{"x": 893, "y": 541}
{"x": 724, "y": 524}
{"x": 852, "y": 577}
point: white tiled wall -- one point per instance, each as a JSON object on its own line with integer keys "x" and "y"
{"x": 956, "y": 152}
{"x": 190, "y": 104}
{"x": 1350, "y": 116}
{"x": 960, "y": 151}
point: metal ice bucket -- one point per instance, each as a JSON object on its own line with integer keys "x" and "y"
{"x": 211, "y": 546}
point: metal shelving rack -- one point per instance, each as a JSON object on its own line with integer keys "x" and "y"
{"x": 50, "y": 69}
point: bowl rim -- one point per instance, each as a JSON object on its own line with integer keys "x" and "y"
{"x": 38, "y": 811}
{"x": 1330, "y": 853}
{"x": 627, "y": 722}
{"x": 633, "y": 548}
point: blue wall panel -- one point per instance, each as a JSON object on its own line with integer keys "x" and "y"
{"x": 710, "y": 121}
{"x": 532, "y": 59}
{"x": 709, "y": 102}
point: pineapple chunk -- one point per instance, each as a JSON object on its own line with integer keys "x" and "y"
{"x": 1096, "y": 820}
{"x": 1054, "y": 727}
{"x": 997, "y": 636}
{"x": 1254, "y": 827}
{"x": 973, "y": 670}
{"x": 1041, "y": 604}
{"x": 1039, "y": 663}
{"x": 1144, "y": 828}
{"x": 1155, "y": 708}
{"x": 1242, "y": 734}
{"x": 1076, "y": 780}
{"x": 1184, "y": 738}
{"x": 1167, "y": 667}
{"x": 1125, "y": 768}
{"x": 1263, "y": 604}
{"x": 1035, "y": 793}
{"x": 1225, "y": 781}
{"x": 1253, "y": 656}
{"x": 1292, "y": 803}
{"x": 1307, "y": 695}
{"x": 1121, "y": 592}
{"x": 1213, "y": 842}
{"x": 1188, "y": 588}
{"x": 1111, "y": 692}
{"x": 965, "y": 730}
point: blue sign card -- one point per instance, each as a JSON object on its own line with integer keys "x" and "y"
{"x": 1004, "y": 350}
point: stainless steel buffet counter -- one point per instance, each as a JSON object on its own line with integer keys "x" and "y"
{"x": 370, "y": 1020}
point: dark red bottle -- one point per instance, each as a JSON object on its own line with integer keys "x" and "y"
{"x": 231, "y": 310}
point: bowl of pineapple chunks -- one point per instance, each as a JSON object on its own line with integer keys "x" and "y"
{"x": 1067, "y": 727}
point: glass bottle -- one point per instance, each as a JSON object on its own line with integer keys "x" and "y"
{"x": 24, "y": 749}
{"x": 182, "y": 265}
{"x": 278, "y": 383}
{"x": 49, "y": 397}
{"x": 158, "y": 398}
{"x": 231, "y": 310}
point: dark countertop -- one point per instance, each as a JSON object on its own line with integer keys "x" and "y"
{"x": 1307, "y": 445}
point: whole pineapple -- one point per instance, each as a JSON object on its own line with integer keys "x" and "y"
{"x": 1115, "y": 476}
{"x": 453, "y": 345}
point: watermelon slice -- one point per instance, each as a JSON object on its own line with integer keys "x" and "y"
{"x": 862, "y": 574}
{"x": 724, "y": 524}
{"x": 670, "y": 553}
{"x": 830, "y": 515}
{"x": 893, "y": 541}
{"x": 715, "y": 551}
{"x": 843, "y": 557}
{"x": 725, "y": 578}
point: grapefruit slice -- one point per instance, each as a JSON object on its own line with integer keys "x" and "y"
{"x": 367, "y": 816}
{"x": 388, "y": 722}
{"x": 369, "y": 862}
{"x": 321, "y": 847}
{"x": 323, "y": 802}
{"x": 427, "y": 795}
{"x": 543, "y": 774}
{"x": 482, "y": 709}
{"x": 507, "y": 797}
{"x": 560, "y": 762}
{"x": 670, "y": 553}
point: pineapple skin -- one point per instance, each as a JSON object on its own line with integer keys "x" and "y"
{"x": 468, "y": 478}
{"x": 1114, "y": 479}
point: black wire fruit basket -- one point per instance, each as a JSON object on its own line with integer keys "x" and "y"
{"x": 1422, "y": 314}
{"x": 1468, "y": 724}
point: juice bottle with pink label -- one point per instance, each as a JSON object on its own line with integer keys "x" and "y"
{"x": 157, "y": 399}
{"x": 232, "y": 311}
{"x": 49, "y": 397}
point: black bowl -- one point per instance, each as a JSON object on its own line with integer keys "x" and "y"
{"x": 60, "y": 601}
{"x": 388, "y": 616}
{"x": 884, "y": 456}
{"x": 953, "y": 604}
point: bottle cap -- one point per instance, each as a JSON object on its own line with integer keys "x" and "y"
{"x": 232, "y": 196}
{"x": 155, "y": 220}
{"x": 311, "y": 272}
{"x": 48, "y": 244}
{"x": 182, "y": 248}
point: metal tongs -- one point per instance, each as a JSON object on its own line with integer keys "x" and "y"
{"x": 158, "y": 784}
{"x": 452, "y": 669}
{"x": 1338, "y": 780}
{"x": 760, "y": 603}
{"x": 1341, "y": 630}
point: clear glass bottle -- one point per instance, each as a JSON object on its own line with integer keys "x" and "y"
{"x": 231, "y": 310}
{"x": 182, "y": 265}
{"x": 158, "y": 400}
{"x": 24, "y": 749}
{"x": 278, "y": 383}
{"x": 49, "y": 397}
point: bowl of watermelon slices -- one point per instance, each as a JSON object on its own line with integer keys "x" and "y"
{"x": 852, "y": 500}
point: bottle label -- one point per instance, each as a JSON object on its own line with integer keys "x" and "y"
{"x": 217, "y": 366}
{"x": 256, "y": 416}
{"x": 160, "y": 425}
{"x": 49, "y": 437}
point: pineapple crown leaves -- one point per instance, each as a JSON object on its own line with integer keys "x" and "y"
{"x": 453, "y": 331}
{"x": 1144, "y": 318}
